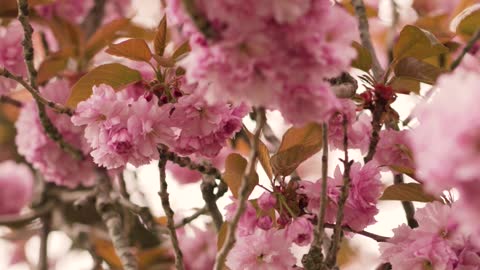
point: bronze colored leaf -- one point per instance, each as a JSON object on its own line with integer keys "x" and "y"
{"x": 235, "y": 166}
{"x": 413, "y": 69}
{"x": 116, "y": 75}
{"x": 181, "y": 50}
{"x": 364, "y": 58}
{"x": 160, "y": 40}
{"x": 134, "y": 49}
{"x": 407, "y": 192}
{"x": 418, "y": 43}
{"x": 104, "y": 36}
{"x": 467, "y": 23}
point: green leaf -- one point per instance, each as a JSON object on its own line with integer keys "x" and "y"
{"x": 104, "y": 36}
{"x": 135, "y": 49}
{"x": 468, "y": 21}
{"x": 412, "y": 192}
{"x": 160, "y": 40}
{"x": 413, "y": 69}
{"x": 298, "y": 144}
{"x": 418, "y": 43}
{"x": 235, "y": 166}
{"x": 364, "y": 58}
{"x": 405, "y": 85}
{"x": 116, "y": 75}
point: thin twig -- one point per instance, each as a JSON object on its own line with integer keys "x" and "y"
{"x": 314, "y": 257}
{"x": 243, "y": 193}
{"x": 169, "y": 213}
{"x": 186, "y": 220}
{"x": 331, "y": 259}
{"x": 113, "y": 221}
{"x": 11, "y": 101}
{"x": 188, "y": 163}
{"x": 407, "y": 205}
{"x": 465, "y": 50}
{"x": 207, "y": 187}
{"x": 43, "y": 251}
{"x": 36, "y": 95}
{"x": 376, "y": 237}
{"x": 16, "y": 220}
{"x": 94, "y": 18}
{"x": 363, "y": 27}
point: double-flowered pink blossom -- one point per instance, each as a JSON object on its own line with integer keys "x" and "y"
{"x": 44, "y": 154}
{"x": 300, "y": 231}
{"x": 393, "y": 149}
{"x": 16, "y": 187}
{"x": 262, "y": 250}
{"x": 436, "y": 244}
{"x": 359, "y": 127}
{"x": 276, "y": 54}
{"x": 204, "y": 128}
{"x": 123, "y": 129}
{"x": 199, "y": 248}
{"x": 360, "y": 208}
{"x": 11, "y": 54}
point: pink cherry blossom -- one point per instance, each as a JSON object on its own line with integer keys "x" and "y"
{"x": 435, "y": 244}
{"x": 11, "y": 55}
{"x": 259, "y": 45}
{"x": 199, "y": 248}
{"x": 359, "y": 128}
{"x": 266, "y": 201}
{"x": 248, "y": 220}
{"x": 16, "y": 187}
{"x": 263, "y": 250}
{"x": 360, "y": 207}
{"x": 45, "y": 155}
{"x": 204, "y": 128}
{"x": 71, "y": 10}
{"x": 300, "y": 231}
{"x": 393, "y": 149}
{"x": 123, "y": 130}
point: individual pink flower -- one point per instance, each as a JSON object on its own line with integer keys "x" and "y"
{"x": 199, "y": 248}
{"x": 359, "y": 128}
{"x": 11, "y": 55}
{"x": 44, "y": 154}
{"x": 393, "y": 149}
{"x": 266, "y": 201}
{"x": 313, "y": 190}
{"x": 265, "y": 223}
{"x": 365, "y": 190}
{"x": 16, "y": 187}
{"x": 248, "y": 220}
{"x": 262, "y": 250}
{"x": 204, "y": 128}
{"x": 300, "y": 231}
{"x": 123, "y": 130}
{"x": 71, "y": 10}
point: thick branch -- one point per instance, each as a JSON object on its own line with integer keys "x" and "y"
{"x": 243, "y": 193}
{"x": 363, "y": 27}
{"x": 207, "y": 187}
{"x": 169, "y": 213}
{"x": 465, "y": 50}
{"x": 113, "y": 221}
{"x": 314, "y": 257}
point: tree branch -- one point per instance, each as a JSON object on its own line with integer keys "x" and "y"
{"x": 169, "y": 213}
{"x": 314, "y": 257}
{"x": 466, "y": 49}
{"x": 407, "y": 205}
{"x": 363, "y": 27}
{"x": 188, "y": 163}
{"x": 207, "y": 187}
{"x": 94, "y": 18}
{"x": 43, "y": 251}
{"x": 11, "y": 101}
{"x": 331, "y": 259}
{"x": 16, "y": 220}
{"x": 113, "y": 221}
{"x": 376, "y": 237}
{"x": 199, "y": 19}
{"x": 243, "y": 193}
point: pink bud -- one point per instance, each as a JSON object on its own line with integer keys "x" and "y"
{"x": 16, "y": 184}
{"x": 266, "y": 201}
{"x": 265, "y": 223}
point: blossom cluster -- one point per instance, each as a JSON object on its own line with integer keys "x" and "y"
{"x": 43, "y": 153}
{"x": 256, "y": 46}
{"x": 437, "y": 243}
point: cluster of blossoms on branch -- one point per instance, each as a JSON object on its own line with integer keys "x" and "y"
{"x": 180, "y": 94}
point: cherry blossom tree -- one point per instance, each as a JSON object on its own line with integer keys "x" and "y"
{"x": 87, "y": 96}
